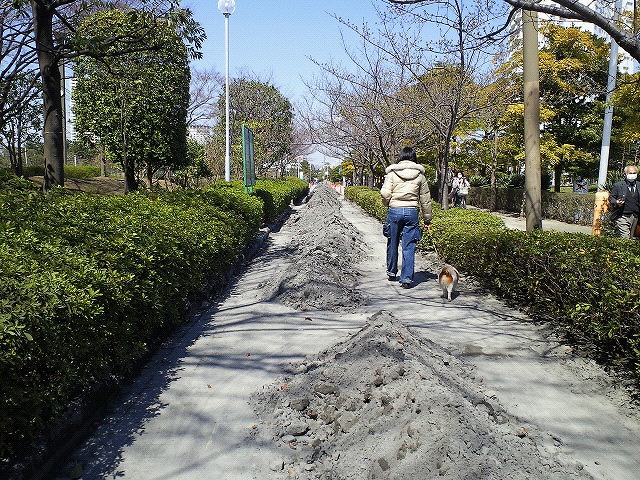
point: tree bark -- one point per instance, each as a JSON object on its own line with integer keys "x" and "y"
{"x": 557, "y": 173}
{"x": 130, "y": 182}
{"x": 103, "y": 162}
{"x": 493, "y": 193}
{"x": 51, "y": 85}
{"x": 533, "y": 187}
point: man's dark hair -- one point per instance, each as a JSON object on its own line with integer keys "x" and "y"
{"x": 407, "y": 153}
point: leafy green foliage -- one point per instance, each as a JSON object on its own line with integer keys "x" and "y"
{"x": 625, "y": 98}
{"x": 568, "y": 279}
{"x": 268, "y": 114}
{"x": 196, "y": 167}
{"x": 88, "y": 282}
{"x": 277, "y": 195}
{"x": 135, "y": 104}
{"x": 368, "y": 199}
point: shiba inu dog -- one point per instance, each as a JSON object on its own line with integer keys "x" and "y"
{"x": 448, "y": 280}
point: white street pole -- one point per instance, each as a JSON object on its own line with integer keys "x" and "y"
{"x": 227, "y": 155}
{"x": 227, "y": 7}
{"x": 608, "y": 110}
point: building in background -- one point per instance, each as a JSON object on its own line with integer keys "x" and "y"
{"x": 200, "y": 133}
{"x": 69, "y": 85}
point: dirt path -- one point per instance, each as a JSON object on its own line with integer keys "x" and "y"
{"x": 258, "y": 388}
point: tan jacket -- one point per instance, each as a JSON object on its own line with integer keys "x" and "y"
{"x": 405, "y": 186}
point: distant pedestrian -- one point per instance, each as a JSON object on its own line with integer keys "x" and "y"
{"x": 625, "y": 201}
{"x": 405, "y": 189}
{"x": 460, "y": 190}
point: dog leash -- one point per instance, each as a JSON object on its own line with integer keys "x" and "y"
{"x": 433, "y": 244}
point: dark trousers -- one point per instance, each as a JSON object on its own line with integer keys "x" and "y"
{"x": 402, "y": 225}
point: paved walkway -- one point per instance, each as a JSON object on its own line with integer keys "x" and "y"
{"x": 188, "y": 415}
{"x": 517, "y": 222}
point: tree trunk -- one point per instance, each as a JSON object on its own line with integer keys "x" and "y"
{"x": 531, "y": 74}
{"x": 51, "y": 86}
{"x": 14, "y": 157}
{"x": 103, "y": 162}
{"x": 371, "y": 178}
{"x": 557, "y": 173}
{"x": 443, "y": 171}
{"x": 493, "y": 193}
{"x": 130, "y": 182}
{"x": 19, "y": 170}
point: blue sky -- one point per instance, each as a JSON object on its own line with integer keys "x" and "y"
{"x": 273, "y": 38}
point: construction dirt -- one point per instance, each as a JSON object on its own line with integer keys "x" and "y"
{"x": 315, "y": 366}
{"x": 385, "y": 403}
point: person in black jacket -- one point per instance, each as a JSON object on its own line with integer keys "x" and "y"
{"x": 625, "y": 202}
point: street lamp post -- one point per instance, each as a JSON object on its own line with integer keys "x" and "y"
{"x": 227, "y": 7}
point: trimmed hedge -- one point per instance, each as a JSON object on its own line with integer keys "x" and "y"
{"x": 588, "y": 286}
{"x": 564, "y": 207}
{"x": 368, "y": 199}
{"x": 277, "y": 195}
{"x": 88, "y": 282}
{"x": 71, "y": 171}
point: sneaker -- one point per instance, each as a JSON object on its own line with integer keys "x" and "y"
{"x": 406, "y": 285}
{"x": 391, "y": 278}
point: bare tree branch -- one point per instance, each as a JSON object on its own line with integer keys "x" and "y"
{"x": 570, "y": 9}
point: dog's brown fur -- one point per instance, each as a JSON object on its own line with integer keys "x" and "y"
{"x": 448, "y": 280}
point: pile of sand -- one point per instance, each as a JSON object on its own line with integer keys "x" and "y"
{"x": 324, "y": 249}
{"x": 391, "y": 405}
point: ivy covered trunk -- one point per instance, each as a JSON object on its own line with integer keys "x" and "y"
{"x": 51, "y": 82}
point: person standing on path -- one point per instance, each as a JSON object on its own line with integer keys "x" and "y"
{"x": 460, "y": 190}
{"x": 625, "y": 201}
{"x": 405, "y": 189}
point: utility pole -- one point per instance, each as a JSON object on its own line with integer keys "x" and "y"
{"x": 601, "y": 201}
{"x": 608, "y": 109}
{"x": 532, "y": 172}
{"x": 63, "y": 97}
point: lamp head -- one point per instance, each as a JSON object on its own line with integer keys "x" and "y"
{"x": 227, "y": 7}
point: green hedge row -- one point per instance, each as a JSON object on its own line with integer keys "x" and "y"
{"x": 564, "y": 207}
{"x": 71, "y": 171}
{"x": 588, "y": 286}
{"x": 277, "y": 195}
{"x": 88, "y": 282}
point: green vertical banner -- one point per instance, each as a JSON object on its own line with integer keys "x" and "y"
{"x": 248, "y": 159}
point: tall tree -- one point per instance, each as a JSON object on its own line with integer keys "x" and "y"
{"x": 454, "y": 80}
{"x": 18, "y": 82}
{"x": 268, "y": 113}
{"x": 206, "y": 85}
{"x": 24, "y": 119}
{"x": 573, "y": 70}
{"x": 134, "y": 103}
{"x": 54, "y": 24}
{"x": 627, "y": 108}
{"x": 573, "y": 73}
